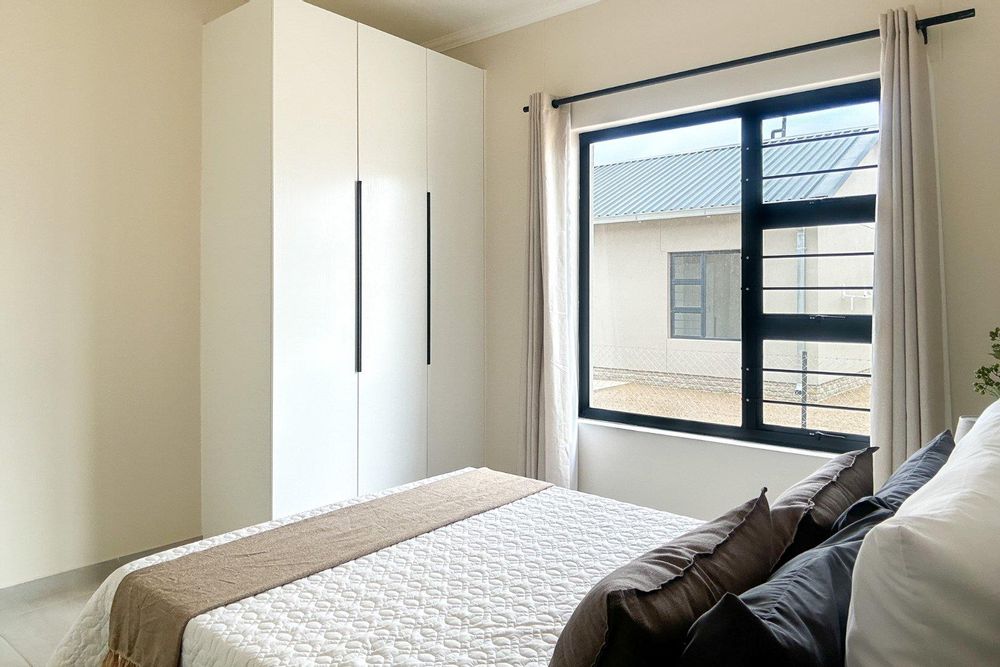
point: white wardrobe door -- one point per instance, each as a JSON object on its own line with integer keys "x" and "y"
{"x": 392, "y": 165}
{"x": 455, "y": 178}
{"x": 236, "y": 270}
{"x": 314, "y": 447}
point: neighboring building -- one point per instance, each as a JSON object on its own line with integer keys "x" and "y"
{"x": 665, "y": 267}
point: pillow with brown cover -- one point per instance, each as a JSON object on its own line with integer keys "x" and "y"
{"x": 640, "y": 613}
{"x": 804, "y": 514}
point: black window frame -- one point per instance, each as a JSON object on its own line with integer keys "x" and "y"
{"x": 756, "y": 217}
{"x": 702, "y": 281}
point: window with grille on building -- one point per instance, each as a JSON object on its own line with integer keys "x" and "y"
{"x": 727, "y": 269}
{"x": 705, "y": 295}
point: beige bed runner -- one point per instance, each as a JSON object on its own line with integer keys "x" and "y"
{"x": 153, "y": 605}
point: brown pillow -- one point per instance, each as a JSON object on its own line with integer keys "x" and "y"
{"x": 640, "y": 613}
{"x": 804, "y": 514}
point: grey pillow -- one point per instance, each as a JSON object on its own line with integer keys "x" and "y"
{"x": 916, "y": 471}
{"x": 640, "y": 613}
{"x": 804, "y": 514}
{"x": 797, "y": 617}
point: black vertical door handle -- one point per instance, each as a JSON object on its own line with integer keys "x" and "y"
{"x": 357, "y": 276}
{"x": 428, "y": 278}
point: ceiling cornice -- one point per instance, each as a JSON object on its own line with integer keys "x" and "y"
{"x": 489, "y": 29}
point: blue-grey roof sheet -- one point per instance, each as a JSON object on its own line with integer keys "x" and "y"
{"x": 710, "y": 178}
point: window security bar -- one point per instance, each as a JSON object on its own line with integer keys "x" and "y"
{"x": 799, "y": 371}
{"x": 820, "y": 172}
{"x": 822, "y": 287}
{"x": 800, "y": 404}
{"x": 808, "y": 255}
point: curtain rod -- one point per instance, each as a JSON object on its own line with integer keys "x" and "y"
{"x": 922, "y": 26}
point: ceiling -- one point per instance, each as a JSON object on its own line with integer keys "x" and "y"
{"x": 446, "y": 24}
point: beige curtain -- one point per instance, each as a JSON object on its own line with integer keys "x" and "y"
{"x": 909, "y": 396}
{"x": 551, "y": 394}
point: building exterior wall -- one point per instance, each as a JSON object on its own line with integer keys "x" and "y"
{"x": 630, "y": 301}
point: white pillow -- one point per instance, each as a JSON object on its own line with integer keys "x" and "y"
{"x": 926, "y": 585}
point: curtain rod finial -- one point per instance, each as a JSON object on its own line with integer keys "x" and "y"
{"x": 555, "y": 105}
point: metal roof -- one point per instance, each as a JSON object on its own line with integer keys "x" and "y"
{"x": 710, "y": 178}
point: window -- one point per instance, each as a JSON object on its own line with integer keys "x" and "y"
{"x": 726, "y": 268}
{"x": 705, "y": 295}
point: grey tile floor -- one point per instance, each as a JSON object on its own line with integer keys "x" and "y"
{"x": 35, "y": 616}
{"x": 8, "y": 656}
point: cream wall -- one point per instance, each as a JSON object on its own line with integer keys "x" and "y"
{"x": 99, "y": 197}
{"x": 616, "y": 41}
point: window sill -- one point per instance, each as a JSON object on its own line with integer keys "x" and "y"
{"x": 698, "y": 437}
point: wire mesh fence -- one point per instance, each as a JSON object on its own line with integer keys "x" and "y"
{"x": 705, "y": 385}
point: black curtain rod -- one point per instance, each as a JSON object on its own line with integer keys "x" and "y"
{"x": 922, "y": 26}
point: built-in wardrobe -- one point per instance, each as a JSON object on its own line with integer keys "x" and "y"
{"x": 341, "y": 262}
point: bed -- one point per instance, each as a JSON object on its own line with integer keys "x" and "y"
{"x": 482, "y": 568}
{"x": 494, "y": 588}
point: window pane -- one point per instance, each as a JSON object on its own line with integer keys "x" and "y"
{"x": 819, "y": 302}
{"x": 848, "y": 149}
{"x": 819, "y": 271}
{"x": 687, "y": 267}
{"x": 837, "y": 143}
{"x": 687, "y": 296}
{"x": 821, "y": 419}
{"x": 819, "y": 186}
{"x": 824, "y": 120}
{"x": 828, "y": 374}
{"x": 819, "y": 357}
{"x": 688, "y": 324}
{"x": 858, "y": 237}
{"x": 834, "y": 390}
{"x": 665, "y": 274}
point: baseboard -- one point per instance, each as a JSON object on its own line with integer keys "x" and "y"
{"x": 39, "y": 588}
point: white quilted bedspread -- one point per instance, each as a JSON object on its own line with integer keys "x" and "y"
{"x": 494, "y": 589}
